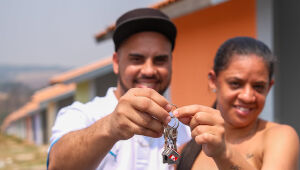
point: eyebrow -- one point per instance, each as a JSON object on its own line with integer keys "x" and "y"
{"x": 141, "y": 55}
{"x": 233, "y": 78}
{"x": 239, "y": 79}
{"x": 261, "y": 82}
{"x": 135, "y": 55}
{"x": 162, "y": 55}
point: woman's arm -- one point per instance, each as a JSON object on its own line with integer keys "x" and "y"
{"x": 281, "y": 148}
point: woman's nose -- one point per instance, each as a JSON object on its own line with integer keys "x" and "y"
{"x": 247, "y": 95}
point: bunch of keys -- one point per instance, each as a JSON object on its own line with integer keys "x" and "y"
{"x": 170, "y": 154}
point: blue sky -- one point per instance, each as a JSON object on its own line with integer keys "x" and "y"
{"x": 58, "y": 32}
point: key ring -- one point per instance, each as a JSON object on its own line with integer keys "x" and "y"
{"x": 176, "y": 125}
{"x": 170, "y": 154}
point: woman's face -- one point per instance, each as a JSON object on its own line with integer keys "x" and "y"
{"x": 241, "y": 89}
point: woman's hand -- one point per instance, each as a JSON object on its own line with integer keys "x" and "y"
{"x": 207, "y": 127}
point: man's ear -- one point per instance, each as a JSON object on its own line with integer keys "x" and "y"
{"x": 116, "y": 63}
{"x": 212, "y": 80}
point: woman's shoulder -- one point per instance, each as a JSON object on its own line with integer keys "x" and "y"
{"x": 280, "y": 146}
{"x": 273, "y": 127}
{"x": 275, "y": 131}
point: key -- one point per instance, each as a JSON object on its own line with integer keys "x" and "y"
{"x": 170, "y": 154}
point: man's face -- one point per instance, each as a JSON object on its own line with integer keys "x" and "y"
{"x": 144, "y": 60}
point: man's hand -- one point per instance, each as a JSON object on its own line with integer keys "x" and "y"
{"x": 141, "y": 111}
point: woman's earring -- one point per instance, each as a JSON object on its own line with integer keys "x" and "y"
{"x": 214, "y": 90}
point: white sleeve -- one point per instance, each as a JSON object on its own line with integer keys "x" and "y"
{"x": 69, "y": 119}
{"x": 184, "y": 134}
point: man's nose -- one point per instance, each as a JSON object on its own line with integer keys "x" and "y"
{"x": 148, "y": 68}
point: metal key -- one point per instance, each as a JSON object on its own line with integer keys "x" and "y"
{"x": 170, "y": 154}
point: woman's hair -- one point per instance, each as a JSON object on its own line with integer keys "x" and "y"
{"x": 243, "y": 46}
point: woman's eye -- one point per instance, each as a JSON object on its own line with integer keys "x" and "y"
{"x": 234, "y": 85}
{"x": 259, "y": 88}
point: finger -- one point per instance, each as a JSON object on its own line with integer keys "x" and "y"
{"x": 139, "y": 130}
{"x": 147, "y": 121}
{"x": 185, "y": 120}
{"x": 205, "y": 138}
{"x": 201, "y": 129}
{"x": 191, "y": 110}
{"x": 126, "y": 128}
{"x": 204, "y": 118}
{"x": 146, "y": 105}
{"x": 153, "y": 95}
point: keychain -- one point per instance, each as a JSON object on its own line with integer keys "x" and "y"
{"x": 170, "y": 154}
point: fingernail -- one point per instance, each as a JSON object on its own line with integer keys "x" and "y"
{"x": 175, "y": 113}
{"x": 168, "y": 119}
{"x": 168, "y": 107}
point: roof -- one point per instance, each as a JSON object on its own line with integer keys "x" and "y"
{"x": 163, "y": 3}
{"x": 173, "y": 8}
{"x": 53, "y": 92}
{"x": 84, "y": 72}
{"x": 44, "y": 95}
{"x": 22, "y": 112}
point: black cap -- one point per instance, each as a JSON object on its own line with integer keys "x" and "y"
{"x": 143, "y": 19}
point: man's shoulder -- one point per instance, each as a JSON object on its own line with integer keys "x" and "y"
{"x": 101, "y": 106}
{"x": 97, "y": 106}
{"x": 104, "y": 101}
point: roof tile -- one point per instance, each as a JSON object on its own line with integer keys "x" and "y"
{"x": 61, "y": 78}
{"x": 110, "y": 28}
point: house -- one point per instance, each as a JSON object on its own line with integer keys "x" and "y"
{"x": 33, "y": 121}
{"x": 91, "y": 80}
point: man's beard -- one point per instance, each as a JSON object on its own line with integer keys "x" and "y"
{"x": 125, "y": 89}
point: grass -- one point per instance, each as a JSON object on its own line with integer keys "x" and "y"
{"x": 16, "y": 154}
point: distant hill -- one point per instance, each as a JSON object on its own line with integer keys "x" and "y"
{"x": 18, "y": 83}
{"x": 34, "y": 77}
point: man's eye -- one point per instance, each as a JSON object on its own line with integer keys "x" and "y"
{"x": 136, "y": 59}
{"x": 160, "y": 60}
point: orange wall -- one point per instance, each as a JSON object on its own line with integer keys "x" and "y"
{"x": 199, "y": 36}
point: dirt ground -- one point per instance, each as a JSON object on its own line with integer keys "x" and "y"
{"x": 16, "y": 154}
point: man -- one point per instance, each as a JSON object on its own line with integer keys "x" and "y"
{"x": 123, "y": 129}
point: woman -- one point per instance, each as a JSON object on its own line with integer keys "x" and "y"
{"x": 233, "y": 137}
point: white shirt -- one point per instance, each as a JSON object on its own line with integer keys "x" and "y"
{"x": 138, "y": 152}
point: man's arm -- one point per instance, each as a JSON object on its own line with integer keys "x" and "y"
{"x": 139, "y": 111}
{"x": 82, "y": 149}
